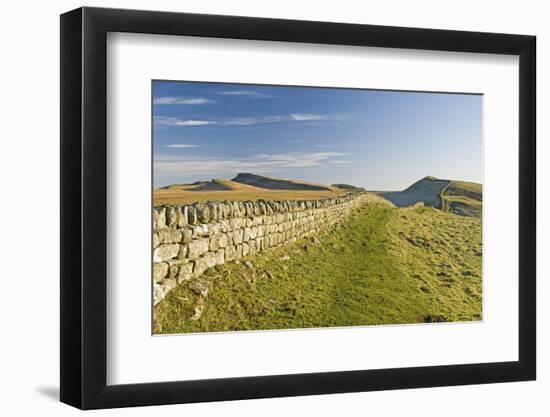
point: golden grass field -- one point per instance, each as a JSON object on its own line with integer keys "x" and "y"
{"x": 220, "y": 190}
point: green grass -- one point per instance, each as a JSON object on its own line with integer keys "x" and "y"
{"x": 465, "y": 188}
{"x": 462, "y": 197}
{"x": 384, "y": 265}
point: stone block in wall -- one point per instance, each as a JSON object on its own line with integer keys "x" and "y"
{"x": 198, "y": 247}
{"x": 220, "y": 257}
{"x": 158, "y": 294}
{"x": 181, "y": 215}
{"x": 222, "y": 211}
{"x": 258, "y": 221}
{"x": 168, "y": 285}
{"x": 214, "y": 228}
{"x": 187, "y": 235}
{"x": 201, "y": 265}
{"x": 213, "y": 209}
{"x": 249, "y": 207}
{"x": 184, "y": 249}
{"x": 238, "y": 236}
{"x": 246, "y": 249}
{"x": 230, "y": 253}
{"x": 203, "y": 213}
{"x": 210, "y": 259}
{"x": 165, "y": 252}
{"x": 191, "y": 215}
{"x": 171, "y": 216}
{"x": 246, "y": 234}
{"x": 199, "y": 230}
{"x": 252, "y": 248}
{"x": 159, "y": 217}
{"x": 185, "y": 272}
{"x": 218, "y": 241}
{"x": 156, "y": 240}
{"x": 174, "y": 267}
{"x": 160, "y": 270}
{"x": 169, "y": 236}
{"x": 224, "y": 226}
{"x": 236, "y": 223}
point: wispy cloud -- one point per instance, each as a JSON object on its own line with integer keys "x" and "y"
{"x": 170, "y": 164}
{"x": 176, "y": 121}
{"x": 181, "y": 100}
{"x": 192, "y": 122}
{"x": 245, "y": 94}
{"x": 306, "y": 116}
{"x": 181, "y": 145}
{"x": 299, "y": 159}
{"x": 240, "y": 121}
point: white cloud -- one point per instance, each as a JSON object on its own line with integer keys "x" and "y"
{"x": 245, "y": 94}
{"x": 181, "y": 145}
{"x": 170, "y": 164}
{"x": 193, "y": 122}
{"x": 306, "y": 116}
{"x": 181, "y": 100}
{"x": 299, "y": 159}
{"x": 239, "y": 93}
{"x": 240, "y": 121}
{"x": 247, "y": 121}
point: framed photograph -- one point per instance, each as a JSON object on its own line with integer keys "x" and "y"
{"x": 260, "y": 208}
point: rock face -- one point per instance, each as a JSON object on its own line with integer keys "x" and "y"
{"x": 188, "y": 240}
{"x": 427, "y": 190}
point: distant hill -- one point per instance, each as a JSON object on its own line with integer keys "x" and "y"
{"x": 223, "y": 185}
{"x": 276, "y": 183}
{"x": 427, "y": 190}
{"x": 459, "y": 197}
{"x": 245, "y": 187}
{"x": 348, "y": 187}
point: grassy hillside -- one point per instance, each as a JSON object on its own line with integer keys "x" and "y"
{"x": 277, "y": 183}
{"x": 347, "y": 187}
{"x": 246, "y": 187}
{"x": 220, "y": 190}
{"x": 384, "y": 265}
{"x": 458, "y": 197}
{"x": 463, "y": 198}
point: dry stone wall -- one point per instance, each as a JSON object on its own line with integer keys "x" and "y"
{"x": 187, "y": 240}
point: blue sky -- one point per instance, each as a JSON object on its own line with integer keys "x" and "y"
{"x": 381, "y": 140}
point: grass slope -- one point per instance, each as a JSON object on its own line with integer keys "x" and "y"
{"x": 463, "y": 198}
{"x": 247, "y": 187}
{"x": 458, "y": 197}
{"x": 277, "y": 183}
{"x": 384, "y": 265}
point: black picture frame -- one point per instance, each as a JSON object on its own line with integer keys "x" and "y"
{"x": 84, "y": 207}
